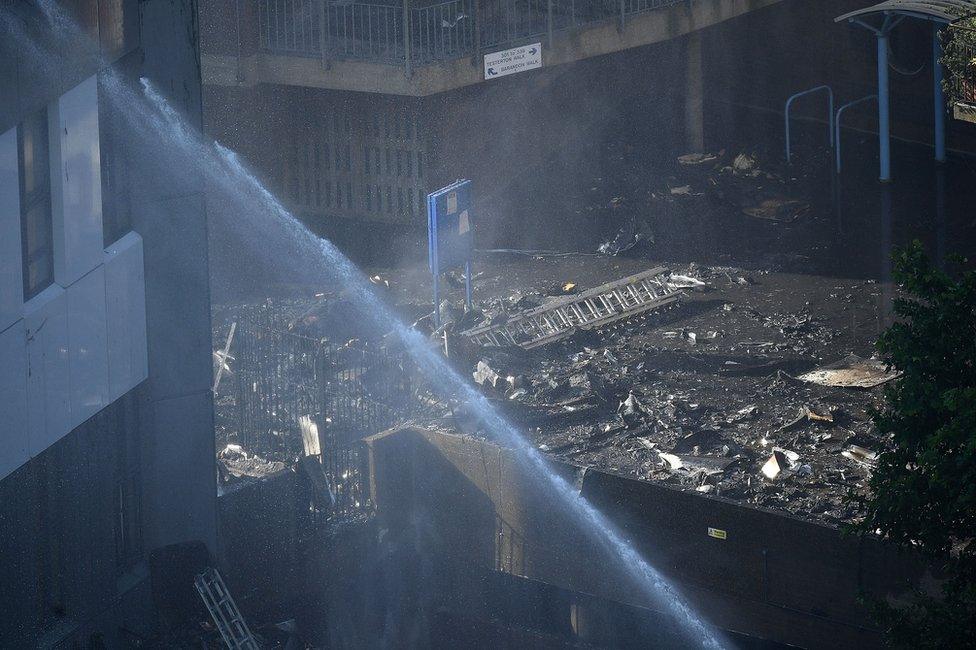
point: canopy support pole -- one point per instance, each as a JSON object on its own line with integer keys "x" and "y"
{"x": 938, "y": 96}
{"x": 884, "y": 117}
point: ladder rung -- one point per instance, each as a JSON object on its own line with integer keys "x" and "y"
{"x": 593, "y": 308}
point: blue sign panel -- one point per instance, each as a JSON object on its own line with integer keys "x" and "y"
{"x": 450, "y": 234}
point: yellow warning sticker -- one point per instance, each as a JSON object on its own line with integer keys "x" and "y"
{"x": 463, "y": 224}
{"x": 717, "y": 533}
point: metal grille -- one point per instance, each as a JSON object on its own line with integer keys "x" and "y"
{"x": 349, "y": 390}
{"x": 364, "y": 159}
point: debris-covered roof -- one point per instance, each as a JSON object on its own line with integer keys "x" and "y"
{"x": 753, "y": 388}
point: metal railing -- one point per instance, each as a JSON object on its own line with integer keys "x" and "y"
{"x": 830, "y": 116}
{"x": 291, "y": 26}
{"x": 442, "y": 31}
{"x": 363, "y": 31}
{"x": 507, "y": 21}
{"x": 284, "y": 373}
{"x": 338, "y": 29}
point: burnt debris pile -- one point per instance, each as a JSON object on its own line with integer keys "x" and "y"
{"x": 746, "y": 390}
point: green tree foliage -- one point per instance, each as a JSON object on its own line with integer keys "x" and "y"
{"x": 959, "y": 59}
{"x": 923, "y": 491}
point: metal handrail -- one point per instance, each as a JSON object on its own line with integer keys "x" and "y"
{"x": 830, "y": 114}
{"x": 442, "y": 31}
{"x": 840, "y": 112}
{"x": 435, "y": 32}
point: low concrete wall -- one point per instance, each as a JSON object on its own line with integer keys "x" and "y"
{"x": 261, "y": 525}
{"x": 773, "y": 576}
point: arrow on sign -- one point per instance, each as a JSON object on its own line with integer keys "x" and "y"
{"x": 491, "y": 71}
{"x": 533, "y": 51}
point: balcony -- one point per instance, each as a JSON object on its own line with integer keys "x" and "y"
{"x": 437, "y": 32}
{"x": 346, "y": 45}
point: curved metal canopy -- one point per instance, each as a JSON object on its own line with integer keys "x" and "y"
{"x": 946, "y": 11}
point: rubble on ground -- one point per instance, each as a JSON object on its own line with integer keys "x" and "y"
{"x": 710, "y": 397}
{"x": 756, "y": 388}
{"x": 235, "y": 466}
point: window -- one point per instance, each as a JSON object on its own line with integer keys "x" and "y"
{"x": 37, "y": 230}
{"x": 116, "y": 210}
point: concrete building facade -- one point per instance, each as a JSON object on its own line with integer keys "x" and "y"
{"x": 416, "y": 110}
{"x": 351, "y": 117}
{"x": 106, "y": 434}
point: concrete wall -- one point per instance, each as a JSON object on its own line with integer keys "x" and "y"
{"x": 773, "y": 576}
{"x": 532, "y": 143}
{"x": 262, "y": 524}
{"x": 755, "y": 62}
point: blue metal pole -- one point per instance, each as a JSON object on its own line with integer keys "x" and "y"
{"x": 939, "y": 96}
{"x": 884, "y": 135}
{"x": 830, "y": 115}
{"x": 437, "y": 301}
{"x": 837, "y": 121}
{"x": 786, "y": 118}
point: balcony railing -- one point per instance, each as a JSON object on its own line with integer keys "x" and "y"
{"x": 338, "y": 29}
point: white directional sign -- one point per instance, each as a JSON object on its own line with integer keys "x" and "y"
{"x": 517, "y": 59}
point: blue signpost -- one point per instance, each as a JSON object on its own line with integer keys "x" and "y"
{"x": 450, "y": 236}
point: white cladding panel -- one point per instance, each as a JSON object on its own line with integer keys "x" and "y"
{"x": 76, "y": 183}
{"x": 81, "y": 343}
{"x": 87, "y": 347}
{"x": 125, "y": 296}
{"x": 11, "y": 278}
{"x": 46, "y": 316}
{"x": 14, "y": 450}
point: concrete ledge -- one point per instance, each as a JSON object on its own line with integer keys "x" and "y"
{"x": 573, "y": 45}
{"x": 773, "y": 576}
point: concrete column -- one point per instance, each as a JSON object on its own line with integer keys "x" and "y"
{"x": 179, "y": 487}
{"x": 938, "y": 95}
{"x": 476, "y": 59}
{"x": 406, "y": 39}
{"x": 884, "y": 134}
{"x": 941, "y": 236}
{"x": 694, "y": 94}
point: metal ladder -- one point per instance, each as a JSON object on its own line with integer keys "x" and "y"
{"x": 591, "y": 309}
{"x": 224, "y": 611}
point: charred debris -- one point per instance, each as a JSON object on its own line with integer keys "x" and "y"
{"x": 750, "y": 385}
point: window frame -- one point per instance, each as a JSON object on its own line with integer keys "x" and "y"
{"x": 38, "y": 196}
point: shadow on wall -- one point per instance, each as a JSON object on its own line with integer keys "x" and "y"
{"x": 548, "y": 149}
